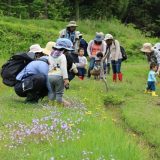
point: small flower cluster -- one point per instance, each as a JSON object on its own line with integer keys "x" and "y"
{"x": 52, "y": 127}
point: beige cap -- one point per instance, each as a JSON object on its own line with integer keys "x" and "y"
{"x": 147, "y": 48}
{"x": 49, "y": 47}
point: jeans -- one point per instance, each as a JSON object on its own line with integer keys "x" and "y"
{"x": 71, "y": 75}
{"x": 57, "y": 85}
{"x": 151, "y": 86}
{"x": 116, "y": 66}
{"x": 81, "y": 71}
{"x": 91, "y": 65}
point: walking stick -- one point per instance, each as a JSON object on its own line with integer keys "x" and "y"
{"x": 103, "y": 75}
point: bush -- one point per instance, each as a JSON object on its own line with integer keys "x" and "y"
{"x": 112, "y": 100}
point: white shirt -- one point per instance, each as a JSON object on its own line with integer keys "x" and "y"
{"x": 82, "y": 62}
{"x": 58, "y": 66}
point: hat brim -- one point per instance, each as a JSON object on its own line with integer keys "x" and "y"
{"x": 98, "y": 39}
{"x": 108, "y": 39}
{"x": 72, "y": 25}
{"x": 60, "y": 47}
{"x": 146, "y": 50}
{"x": 37, "y": 51}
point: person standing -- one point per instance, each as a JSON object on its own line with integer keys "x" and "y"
{"x": 70, "y": 33}
{"x": 83, "y": 44}
{"x": 152, "y": 80}
{"x": 95, "y": 46}
{"x": 114, "y": 53}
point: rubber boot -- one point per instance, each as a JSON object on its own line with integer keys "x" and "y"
{"x": 147, "y": 91}
{"x": 120, "y": 76}
{"x": 81, "y": 77}
{"x": 154, "y": 94}
{"x": 114, "y": 77}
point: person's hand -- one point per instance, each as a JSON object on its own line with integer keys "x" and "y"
{"x": 90, "y": 56}
{"x": 66, "y": 82}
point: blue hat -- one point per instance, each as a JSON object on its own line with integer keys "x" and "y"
{"x": 64, "y": 43}
{"x": 98, "y": 38}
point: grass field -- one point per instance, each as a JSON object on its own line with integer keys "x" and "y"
{"x": 87, "y": 129}
{"x": 121, "y": 124}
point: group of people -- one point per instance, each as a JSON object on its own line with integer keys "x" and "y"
{"x": 153, "y": 57}
{"x": 59, "y": 62}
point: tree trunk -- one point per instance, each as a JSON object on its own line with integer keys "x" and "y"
{"x": 46, "y": 9}
{"x": 77, "y": 9}
{"x": 9, "y": 7}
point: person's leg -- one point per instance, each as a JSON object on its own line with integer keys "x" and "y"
{"x": 52, "y": 94}
{"x": 91, "y": 65}
{"x": 153, "y": 88}
{"x": 39, "y": 89}
{"x": 59, "y": 88}
{"x": 108, "y": 68}
{"x": 113, "y": 62}
{"x": 118, "y": 68}
{"x": 19, "y": 90}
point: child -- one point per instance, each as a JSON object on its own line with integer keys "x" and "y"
{"x": 96, "y": 71}
{"x": 82, "y": 63}
{"x": 152, "y": 80}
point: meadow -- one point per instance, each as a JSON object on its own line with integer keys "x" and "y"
{"x": 121, "y": 124}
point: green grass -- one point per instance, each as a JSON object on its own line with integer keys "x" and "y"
{"x": 122, "y": 124}
{"x": 99, "y": 133}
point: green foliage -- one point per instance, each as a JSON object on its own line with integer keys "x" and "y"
{"x": 15, "y": 32}
{"x": 144, "y": 14}
{"x": 113, "y": 100}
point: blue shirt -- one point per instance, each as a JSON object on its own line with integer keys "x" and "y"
{"x": 152, "y": 76}
{"x": 34, "y": 67}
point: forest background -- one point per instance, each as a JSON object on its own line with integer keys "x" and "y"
{"x": 143, "y": 14}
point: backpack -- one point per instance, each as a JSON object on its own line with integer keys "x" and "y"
{"x": 124, "y": 55}
{"x": 12, "y": 67}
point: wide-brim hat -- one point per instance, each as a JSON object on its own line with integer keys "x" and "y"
{"x": 98, "y": 38}
{"x": 108, "y": 36}
{"x": 64, "y": 43}
{"x": 72, "y": 24}
{"x": 49, "y": 47}
{"x": 147, "y": 48}
{"x": 36, "y": 48}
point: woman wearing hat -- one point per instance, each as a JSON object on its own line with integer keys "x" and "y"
{"x": 114, "y": 53}
{"x": 32, "y": 81}
{"x": 70, "y": 33}
{"x": 149, "y": 52}
{"x": 58, "y": 75}
{"x": 95, "y": 46}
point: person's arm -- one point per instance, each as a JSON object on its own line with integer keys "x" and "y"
{"x": 117, "y": 46}
{"x": 153, "y": 76}
{"x": 89, "y": 48}
{"x": 63, "y": 66}
{"x": 62, "y": 33}
{"x": 103, "y": 47}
